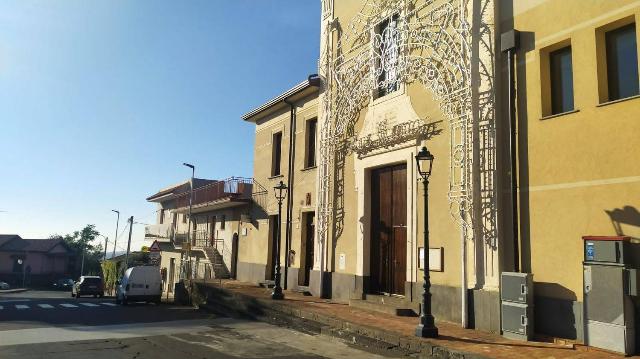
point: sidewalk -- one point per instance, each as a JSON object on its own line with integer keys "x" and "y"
{"x": 453, "y": 340}
{"x": 15, "y": 290}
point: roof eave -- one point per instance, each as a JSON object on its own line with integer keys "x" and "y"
{"x": 253, "y": 115}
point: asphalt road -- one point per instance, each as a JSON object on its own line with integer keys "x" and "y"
{"x": 39, "y": 324}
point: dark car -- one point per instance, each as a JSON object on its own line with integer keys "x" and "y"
{"x": 88, "y": 285}
{"x": 63, "y": 284}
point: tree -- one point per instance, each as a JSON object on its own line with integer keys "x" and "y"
{"x": 82, "y": 241}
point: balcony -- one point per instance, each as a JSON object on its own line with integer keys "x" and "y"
{"x": 158, "y": 231}
{"x": 220, "y": 194}
{"x": 199, "y": 239}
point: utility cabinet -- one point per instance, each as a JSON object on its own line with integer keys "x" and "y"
{"x": 610, "y": 280}
{"x": 516, "y": 295}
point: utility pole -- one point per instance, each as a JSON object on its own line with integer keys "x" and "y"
{"x": 82, "y": 265}
{"x": 193, "y": 172}
{"x": 115, "y": 239}
{"x": 126, "y": 258}
{"x": 106, "y": 242}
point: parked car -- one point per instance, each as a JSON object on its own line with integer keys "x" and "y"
{"x": 88, "y": 285}
{"x": 139, "y": 284}
{"x": 4, "y": 286}
{"x": 63, "y": 284}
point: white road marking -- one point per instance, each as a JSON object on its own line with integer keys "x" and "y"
{"x": 66, "y": 334}
{"x": 21, "y": 306}
{"x": 45, "y": 306}
{"x": 67, "y": 305}
{"x": 14, "y": 300}
{"x": 109, "y": 304}
{"x": 89, "y": 304}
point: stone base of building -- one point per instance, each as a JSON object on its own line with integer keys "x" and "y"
{"x": 251, "y": 272}
{"x": 554, "y": 317}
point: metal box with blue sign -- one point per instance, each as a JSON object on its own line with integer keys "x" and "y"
{"x": 610, "y": 281}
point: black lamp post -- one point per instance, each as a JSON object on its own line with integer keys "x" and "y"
{"x": 281, "y": 192}
{"x": 427, "y": 327}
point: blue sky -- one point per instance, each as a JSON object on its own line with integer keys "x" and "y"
{"x": 102, "y": 101}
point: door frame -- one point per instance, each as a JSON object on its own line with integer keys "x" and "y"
{"x": 363, "y": 167}
{"x": 304, "y": 276}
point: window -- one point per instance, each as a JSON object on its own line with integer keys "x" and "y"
{"x": 622, "y": 62}
{"x": 561, "y": 76}
{"x": 386, "y": 46}
{"x": 184, "y": 218}
{"x": 310, "y": 160}
{"x": 223, "y": 220}
{"x": 162, "y": 216}
{"x": 276, "y": 157}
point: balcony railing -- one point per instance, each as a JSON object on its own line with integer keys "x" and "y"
{"x": 232, "y": 188}
{"x": 199, "y": 238}
{"x": 164, "y": 230}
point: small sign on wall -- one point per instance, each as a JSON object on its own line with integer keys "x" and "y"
{"x": 436, "y": 263}
{"x": 342, "y": 261}
{"x": 244, "y": 231}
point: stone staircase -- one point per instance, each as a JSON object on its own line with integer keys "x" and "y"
{"x": 398, "y": 306}
{"x": 220, "y": 270}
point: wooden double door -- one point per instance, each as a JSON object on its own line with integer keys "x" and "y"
{"x": 389, "y": 229}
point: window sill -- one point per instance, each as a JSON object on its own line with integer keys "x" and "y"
{"x": 309, "y": 168}
{"x": 559, "y": 114}
{"x": 276, "y": 176}
{"x": 619, "y": 100}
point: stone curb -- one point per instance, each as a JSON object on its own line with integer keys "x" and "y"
{"x": 251, "y": 307}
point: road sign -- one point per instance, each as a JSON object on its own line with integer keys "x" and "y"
{"x": 155, "y": 247}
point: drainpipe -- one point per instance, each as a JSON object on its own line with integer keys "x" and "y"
{"x": 292, "y": 150}
{"x": 463, "y": 256}
{"x": 509, "y": 42}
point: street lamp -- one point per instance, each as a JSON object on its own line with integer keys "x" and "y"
{"x": 115, "y": 239}
{"x": 23, "y": 264}
{"x": 193, "y": 172}
{"x": 427, "y": 327}
{"x": 281, "y": 192}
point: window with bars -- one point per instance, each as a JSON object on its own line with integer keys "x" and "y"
{"x": 386, "y": 45}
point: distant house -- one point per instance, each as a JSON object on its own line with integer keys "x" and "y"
{"x": 39, "y": 261}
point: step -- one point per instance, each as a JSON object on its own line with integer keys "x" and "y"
{"x": 267, "y": 283}
{"x": 388, "y": 305}
{"x": 303, "y": 289}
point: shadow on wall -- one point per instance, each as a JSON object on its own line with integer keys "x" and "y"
{"x": 627, "y": 216}
{"x": 554, "y": 316}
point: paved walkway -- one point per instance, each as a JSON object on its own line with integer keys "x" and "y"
{"x": 452, "y": 336}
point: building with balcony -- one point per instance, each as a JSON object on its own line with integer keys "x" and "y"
{"x": 211, "y": 234}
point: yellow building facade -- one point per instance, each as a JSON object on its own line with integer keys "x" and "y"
{"x": 577, "y": 168}
{"x": 397, "y": 75}
{"x": 284, "y": 150}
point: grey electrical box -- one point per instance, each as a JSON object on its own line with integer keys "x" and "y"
{"x": 610, "y": 281}
{"x": 516, "y": 295}
{"x": 517, "y": 320}
{"x": 599, "y": 249}
{"x": 516, "y": 287}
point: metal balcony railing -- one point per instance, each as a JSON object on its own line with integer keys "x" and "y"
{"x": 234, "y": 187}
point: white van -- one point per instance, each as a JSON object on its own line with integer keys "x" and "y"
{"x": 140, "y": 284}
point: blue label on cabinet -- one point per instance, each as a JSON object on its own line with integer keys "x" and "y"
{"x": 590, "y": 252}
